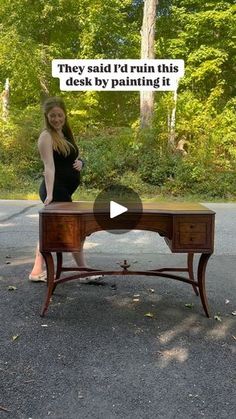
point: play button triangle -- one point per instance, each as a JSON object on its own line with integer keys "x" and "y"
{"x": 116, "y": 209}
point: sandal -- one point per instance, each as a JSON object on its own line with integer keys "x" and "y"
{"x": 38, "y": 278}
{"x": 92, "y": 278}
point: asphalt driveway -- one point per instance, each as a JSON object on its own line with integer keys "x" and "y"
{"x": 133, "y": 347}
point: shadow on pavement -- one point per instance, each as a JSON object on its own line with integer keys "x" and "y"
{"x": 96, "y": 354}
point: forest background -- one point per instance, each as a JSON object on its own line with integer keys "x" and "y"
{"x": 107, "y": 124}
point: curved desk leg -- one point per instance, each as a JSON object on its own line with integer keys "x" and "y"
{"x": 201, "y": 280}
{"x": 50, "y": 280}
{"x": 59, "y": 264}
{"x": 190, "y": 271}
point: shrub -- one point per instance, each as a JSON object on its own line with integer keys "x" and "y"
{"x": 155, "y": 168}
{"x": 107, "y": 156}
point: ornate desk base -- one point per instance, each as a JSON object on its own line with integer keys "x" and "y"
{"x": 186, "y": 229}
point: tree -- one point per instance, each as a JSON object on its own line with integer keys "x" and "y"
{"x": 148, "y": 51}
{"x": 35, "y": 32}
{"x": 201, "y": 33}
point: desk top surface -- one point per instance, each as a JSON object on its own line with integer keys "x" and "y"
{"x": 86, "y": 207}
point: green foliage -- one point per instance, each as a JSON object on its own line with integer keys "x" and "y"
{"x": 19, "y": 153}
{"x": 202, "y": 33}
{"x": 197, "y": 179}
{"x": 97, "y": 29}
{"x": 156, "y": 169}
{"x": 108, "y": 155}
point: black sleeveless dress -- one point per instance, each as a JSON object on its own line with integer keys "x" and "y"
{"x": 67, "y": 179}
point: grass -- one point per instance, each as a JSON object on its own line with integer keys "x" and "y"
{"x": 148, "y": 194}
{"x": 27, "y": 189}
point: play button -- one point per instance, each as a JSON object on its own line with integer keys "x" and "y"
{"x": 117, "y": 209}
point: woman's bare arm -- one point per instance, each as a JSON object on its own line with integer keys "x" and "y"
{"x": 46, "y": 153}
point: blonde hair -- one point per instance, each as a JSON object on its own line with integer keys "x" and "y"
{"x": 61, "y": 145}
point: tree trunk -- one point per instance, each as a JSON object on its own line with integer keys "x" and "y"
{"x": 43, "y": 80}
{"x": 5, "y": 100}
{"x": 172, "y": 122}
{"x": 147, "y": 51}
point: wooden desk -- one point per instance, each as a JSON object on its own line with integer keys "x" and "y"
{"x": 186, "y": 228}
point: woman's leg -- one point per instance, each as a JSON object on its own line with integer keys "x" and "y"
{"x": 79, "y": 256}
{"x": 38, "y": 263}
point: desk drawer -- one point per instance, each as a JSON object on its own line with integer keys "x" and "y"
{"x": 192, "y": 227}
{"x": 193, "y": 233}
{"x": 60, "y": 233}
{"x": 194, "y": 238}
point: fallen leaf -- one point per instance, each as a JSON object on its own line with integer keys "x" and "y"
{"x": 12, "y": 288}
{"x": 4, "y": 409}
{"x": 15, "y": 337}
{"x": 44, "y": 325}
{"x": 136, "y": 300}
{"x": 189, "y": 305}
{"x": 233, "y": 313}
{"x": 218, "y": 318}
{"x": 148, "y": 315}
{"x": 226, "y": 301}
{"x": 234, "y": 337}
{"x": 136, "y": 295}
{"x": 151, "y": 290}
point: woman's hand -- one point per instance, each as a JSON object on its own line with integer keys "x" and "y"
{"x": 48, "y": 200}
{"x": 78, "y": 164}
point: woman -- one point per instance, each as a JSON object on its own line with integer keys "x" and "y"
{"x": 62, "y": 167}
